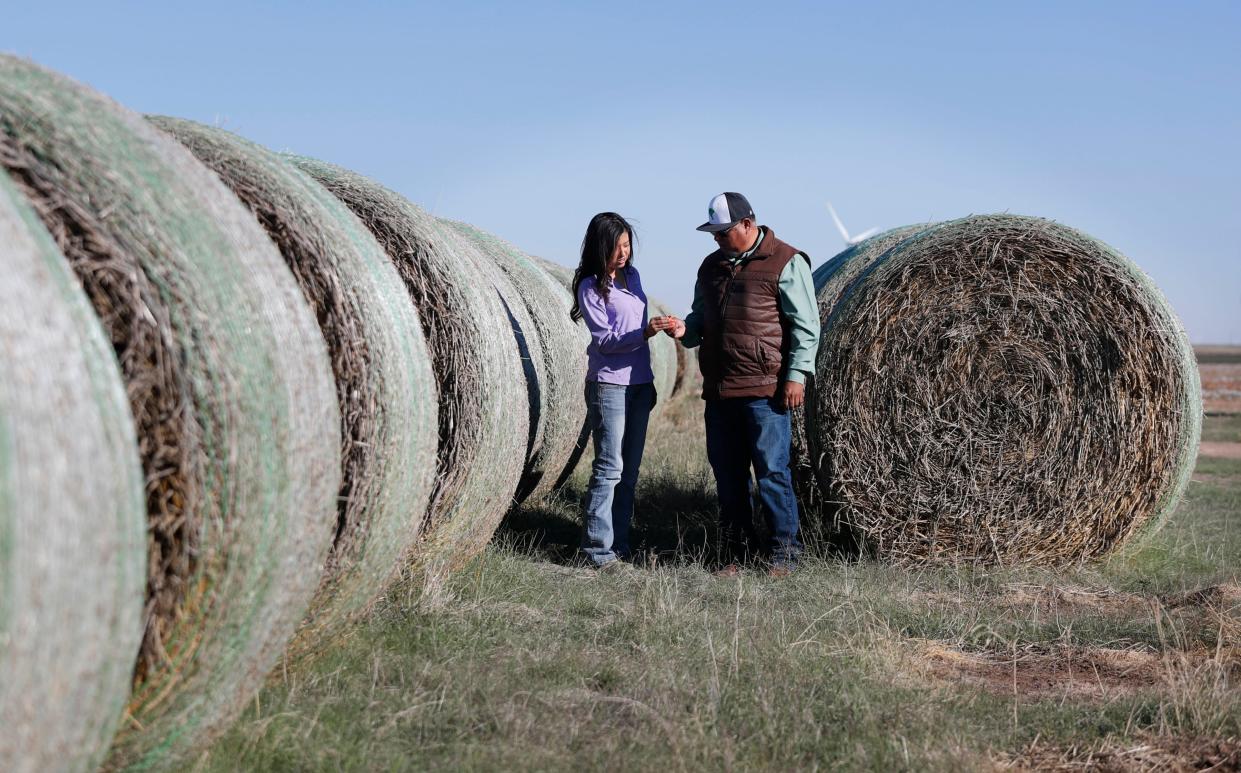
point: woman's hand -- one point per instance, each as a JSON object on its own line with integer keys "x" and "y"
{"x": 653, "y": 327}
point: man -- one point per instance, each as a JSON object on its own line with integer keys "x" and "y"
{"x": 757, "y": 321}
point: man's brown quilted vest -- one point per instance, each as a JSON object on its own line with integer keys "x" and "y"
{"x": 745, "y": 338}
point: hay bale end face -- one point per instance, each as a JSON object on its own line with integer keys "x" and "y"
{"x": 483, "y": 409}
{"x": 71, "y": 586}
{"x": 229, "y": 384}
{"x": 1000, "y": 389}
{"x": 384, "y": 385}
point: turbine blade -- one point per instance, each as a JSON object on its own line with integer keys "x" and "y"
{"x": 839, "y": 225}
{"x": 866, "y": 234}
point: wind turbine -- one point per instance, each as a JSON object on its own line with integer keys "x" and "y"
{"x": 849, "y": 240}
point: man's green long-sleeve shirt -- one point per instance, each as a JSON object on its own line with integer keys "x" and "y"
{"x": 797, "y": 304}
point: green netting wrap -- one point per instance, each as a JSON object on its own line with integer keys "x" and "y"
{"x": 557, "y": 347}
{"x": 72, "y": 520}
{"x": 564, "y": 277}
{"x": 483, "y": 406}
{"x": 230, "y": 386}
{"x": 1000, "y": 389}
{"x": 384, "y": 384}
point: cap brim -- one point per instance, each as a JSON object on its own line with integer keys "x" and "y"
{"x": 710, "y": 227}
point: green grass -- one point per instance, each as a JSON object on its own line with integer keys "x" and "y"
{"x": 1224, "y": 428}
{"x": 528, "y": 661}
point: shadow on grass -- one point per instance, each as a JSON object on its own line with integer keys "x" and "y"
{"x": 673, "y": 524}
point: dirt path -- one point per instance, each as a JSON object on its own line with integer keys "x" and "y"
{"x": 1220, "y": 450}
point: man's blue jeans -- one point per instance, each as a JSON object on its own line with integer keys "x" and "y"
{"x": 744, "y": 432}
{"x": 617, "y": 415}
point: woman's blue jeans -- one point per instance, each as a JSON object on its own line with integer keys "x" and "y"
{"x": 617, "y": 415}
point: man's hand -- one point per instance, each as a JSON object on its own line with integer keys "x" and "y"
{"x": 676, "y": 327}
{"x": 793, "y": 394}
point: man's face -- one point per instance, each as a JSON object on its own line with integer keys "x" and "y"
{"x": 739, "y": 238}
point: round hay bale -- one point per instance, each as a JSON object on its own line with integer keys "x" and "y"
{"x": 559, "y": 358}
{"x": 231, "y": 389}
{"x": 831, "y": 279}
{"x": 384, "y": 385}
{"x": 564, "y": 277}
{"x": 1002, "y": 389}
{"x": 70, "y": 586}
{"x": 483, "y": 410}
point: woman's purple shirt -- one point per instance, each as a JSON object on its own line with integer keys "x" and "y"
{"x": 618, "y": 352}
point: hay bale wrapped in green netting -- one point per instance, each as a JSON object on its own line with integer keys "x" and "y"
{"x": 1002, "y": 389}
{"x": 830, "y": 281}
{"x": 384, "y": 384}
{"x": 564, "y": 277}
{"x": 229, "y": 383}
{"x": 558, "y": 350}
{"x": 70, "y": 585}
{"x": 483, "y": 409}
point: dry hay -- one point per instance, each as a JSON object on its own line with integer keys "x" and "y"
{"x": 559, "y": 359}
{"x": 564, "y": 277}
{"x": 483, "y": 410}
{"x": 830, "y": 280}
{"x": 1000, "y": 389}
{"x": 384, "y": 385}
{"x": 229, "y": 383}
{"x": 1146, "y": 753}
{"x": 70, "y": 586}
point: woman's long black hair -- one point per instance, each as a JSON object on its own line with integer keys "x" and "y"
{"x": 604, "y": 231}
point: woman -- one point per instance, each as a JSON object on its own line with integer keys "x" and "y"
{"x": 620, "y": 389}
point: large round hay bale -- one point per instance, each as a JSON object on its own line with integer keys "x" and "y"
{"x": 70, "y": 585}
{"x": 228, "y": 380}
{"x": 831, "y": 279}
{"x": 558, "y": 349}
{"x": 564, "y": 277}
{"x": 384, "y": 384}
{"x": 483, "y": 410}
{"x": 1001, "y": 389}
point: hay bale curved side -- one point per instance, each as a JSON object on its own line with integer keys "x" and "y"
{"x": 560, "y": 358}
{"x": 525, "y": 340}
{"x": 1038, "y": 399}
{"x": 67, "y": 446}
{"x": 229, "y": 383}
{"x": 482, "y": 437}
{"x": 564, "y": 277}
{"x": 384, "y": 384}
{"x": 832, "y": 280}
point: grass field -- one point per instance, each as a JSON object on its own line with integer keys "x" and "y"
{"x": 526, "y": 661}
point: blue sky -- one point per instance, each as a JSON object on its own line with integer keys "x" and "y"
{"x": 1121, "y": 119}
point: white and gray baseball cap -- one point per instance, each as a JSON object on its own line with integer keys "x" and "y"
{"x": 725, "y": 211}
